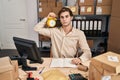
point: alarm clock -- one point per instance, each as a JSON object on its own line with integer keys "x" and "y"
{"x": 51, "y": 22}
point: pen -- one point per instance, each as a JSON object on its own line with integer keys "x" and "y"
{"x": 41, "y": 70}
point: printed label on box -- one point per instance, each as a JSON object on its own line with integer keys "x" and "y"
{"x": 82, "y": 1}
{"x": 82, "y": 9}
{"x": 113, "y": 58}
{"x": 40, "y": 3}
{"x": 106, "y": 77}
{"x": 40, "y": 9}
{"x": 73, "y": 9}
{"x": 99, "y": 1}
{"x": 99, "y": 10}
{"x": 89, "y": 9}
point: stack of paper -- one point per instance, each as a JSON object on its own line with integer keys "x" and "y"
{"x": 62, "y": 62}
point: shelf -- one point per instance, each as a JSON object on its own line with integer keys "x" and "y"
{"x": 91, "y": 15}
{"x": 93, "y": 38}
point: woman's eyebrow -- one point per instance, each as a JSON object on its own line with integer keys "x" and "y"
{"x": 64, "y": 16}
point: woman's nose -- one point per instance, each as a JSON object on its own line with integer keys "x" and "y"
{"x": 64, "y": 18}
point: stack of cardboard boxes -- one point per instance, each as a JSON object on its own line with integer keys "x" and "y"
{"x": 103, "y": 7}
{"x": 46, "y": 6}
{"x": 86, "y": 7}
{"x": 98, "y": 7}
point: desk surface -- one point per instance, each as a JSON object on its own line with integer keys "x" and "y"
{"x": 46, "y": 64}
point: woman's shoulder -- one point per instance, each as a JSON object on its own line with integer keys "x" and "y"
{"x": 77, "y": 30}
{"x": 55, "y": 29}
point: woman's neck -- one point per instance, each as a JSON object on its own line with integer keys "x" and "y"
{"x": 67, "y": 29}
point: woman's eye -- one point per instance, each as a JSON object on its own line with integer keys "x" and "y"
{"x": 66, "y": 16}
{"x": 61, "y": 17}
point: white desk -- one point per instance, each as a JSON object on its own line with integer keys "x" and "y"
{"x": 46, "y": 64}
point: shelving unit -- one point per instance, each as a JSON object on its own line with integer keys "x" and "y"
{"x": 98, "y": 32}
{"x": 99, "y": 36}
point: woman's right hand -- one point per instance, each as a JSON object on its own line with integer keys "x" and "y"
{"x": 76, "y": 61}
{"x": 51, "y": 14}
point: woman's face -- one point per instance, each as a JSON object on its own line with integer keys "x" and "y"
{"x": 65, "y": 19}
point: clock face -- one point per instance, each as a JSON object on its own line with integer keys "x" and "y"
{"x": 52, "y": 23}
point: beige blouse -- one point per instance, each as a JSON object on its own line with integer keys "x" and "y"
{"x": 65, "y": 45}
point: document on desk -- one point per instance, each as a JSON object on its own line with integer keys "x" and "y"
{"x": 62, "y": 62}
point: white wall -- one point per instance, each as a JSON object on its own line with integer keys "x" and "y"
{"x": 0, "y": 22}
{"x": 32, "y": 18}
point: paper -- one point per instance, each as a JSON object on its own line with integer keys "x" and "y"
{"x": 62, "y": 62}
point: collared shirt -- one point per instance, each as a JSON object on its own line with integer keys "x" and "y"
{"x": 65, "y": 45}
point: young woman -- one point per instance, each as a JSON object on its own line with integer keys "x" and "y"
{"x": 65, "y": 39}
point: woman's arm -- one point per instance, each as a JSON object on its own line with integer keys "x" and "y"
{"x": 40, "y": 26}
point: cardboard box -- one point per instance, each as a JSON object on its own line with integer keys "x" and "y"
{"x": 104, "y": 2}
{"x": 51, "y": 1}
{"x": 114, "y": 39}
{"x": 8, "y": 69}
{"x": 103, "y": 10}
{"x": 43, "y": 0}
{"x": 105, "y": 65}
{"x": 43, "y": 11}
{"x": 43, "y": 4}
{"x": 52, "y": 4}
{"x": 74, "y": 9}
{"x": 86, "y": 2}
{"x": 59, "y": 4}
{"x": 56, "y": 10}
{"x": 86, "y": 10}
{"x": 15, "y": 65}
{"x": 115, "y": 8}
